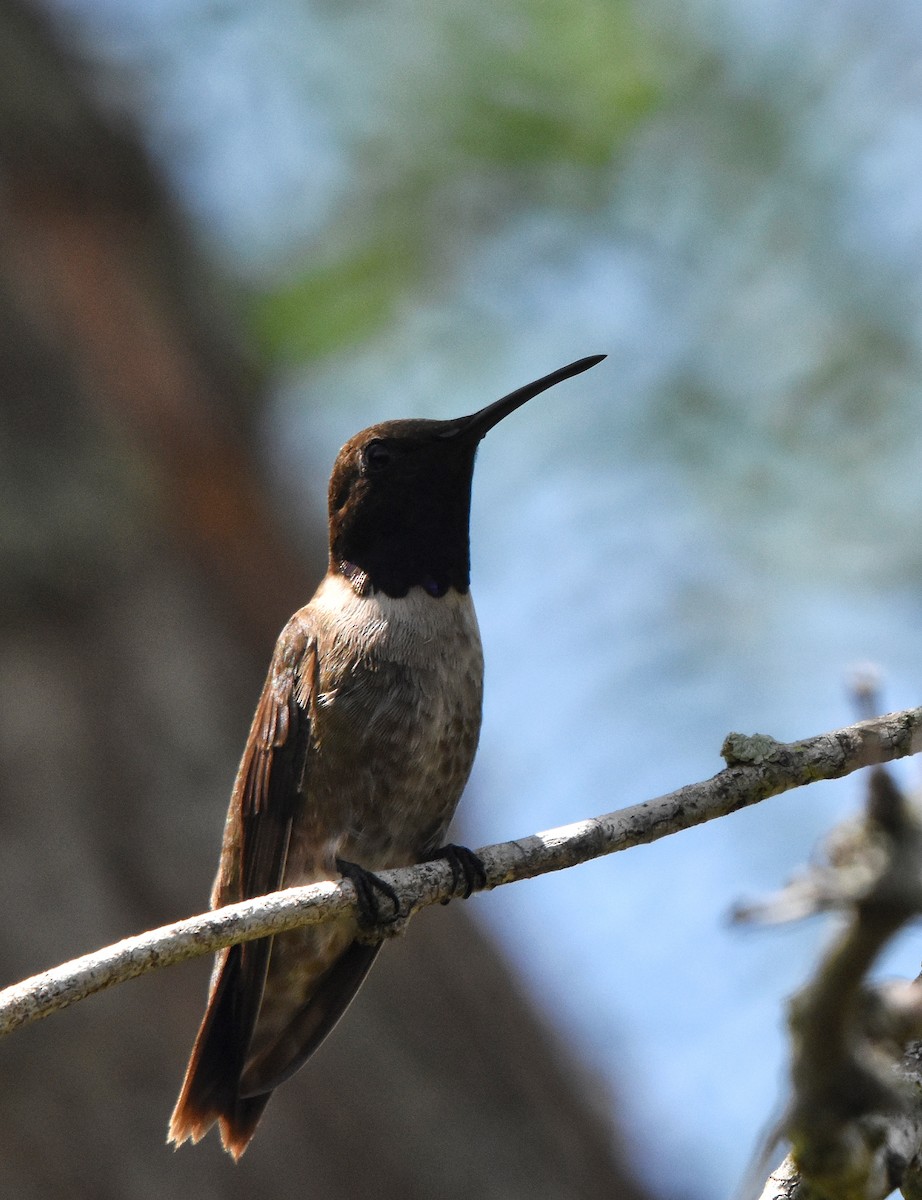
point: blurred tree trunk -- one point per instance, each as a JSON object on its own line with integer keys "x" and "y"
{"x": 144, "y": 578}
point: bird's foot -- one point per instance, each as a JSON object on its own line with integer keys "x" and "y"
{"x": 465, "y": 868}
{"x": 374, "y": 925}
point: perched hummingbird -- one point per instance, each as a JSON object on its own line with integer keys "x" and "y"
{"x": 362, "y": 742}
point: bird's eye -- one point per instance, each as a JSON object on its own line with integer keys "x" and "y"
{"x": 376, "y": 455}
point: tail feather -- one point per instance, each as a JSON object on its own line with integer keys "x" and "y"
{"x": 224, "y": 1085}
{"x": 238, "y": 1127}
{"x": 210, "y": 1089}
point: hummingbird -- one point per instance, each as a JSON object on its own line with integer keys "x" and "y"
{"x": 362, "y": 742}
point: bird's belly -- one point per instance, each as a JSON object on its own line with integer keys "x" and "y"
{"x": 393, "y": 749}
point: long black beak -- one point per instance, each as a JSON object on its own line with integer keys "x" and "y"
{"x": 480, "y": 423}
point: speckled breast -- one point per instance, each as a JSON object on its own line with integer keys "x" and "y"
{"x": 395, "y": 726}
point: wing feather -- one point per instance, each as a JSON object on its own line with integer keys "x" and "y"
{"x": 264, "y": 802}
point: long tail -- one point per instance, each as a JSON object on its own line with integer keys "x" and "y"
{"x": 210, "y": 1088}
{"x": 222, "y": 1083}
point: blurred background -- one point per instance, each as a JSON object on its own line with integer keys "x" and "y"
{"x": 233, "y": 234}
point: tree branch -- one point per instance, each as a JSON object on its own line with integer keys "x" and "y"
{"x": 757, "y": 767}
{"x": 854, "y": 1121}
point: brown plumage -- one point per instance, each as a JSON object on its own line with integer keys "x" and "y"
{"x": 361, "y": 745}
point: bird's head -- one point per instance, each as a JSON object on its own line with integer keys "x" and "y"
{"x": 400, "y": 497}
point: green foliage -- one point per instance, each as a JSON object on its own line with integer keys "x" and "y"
{"x": 565, "y": 85}
{"x": 474, "y": 112}
{"x": 337, "y": 304}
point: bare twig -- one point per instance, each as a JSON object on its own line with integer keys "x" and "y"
{"x": 853, "y": 1123}
{"x": 757, "y": 767}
